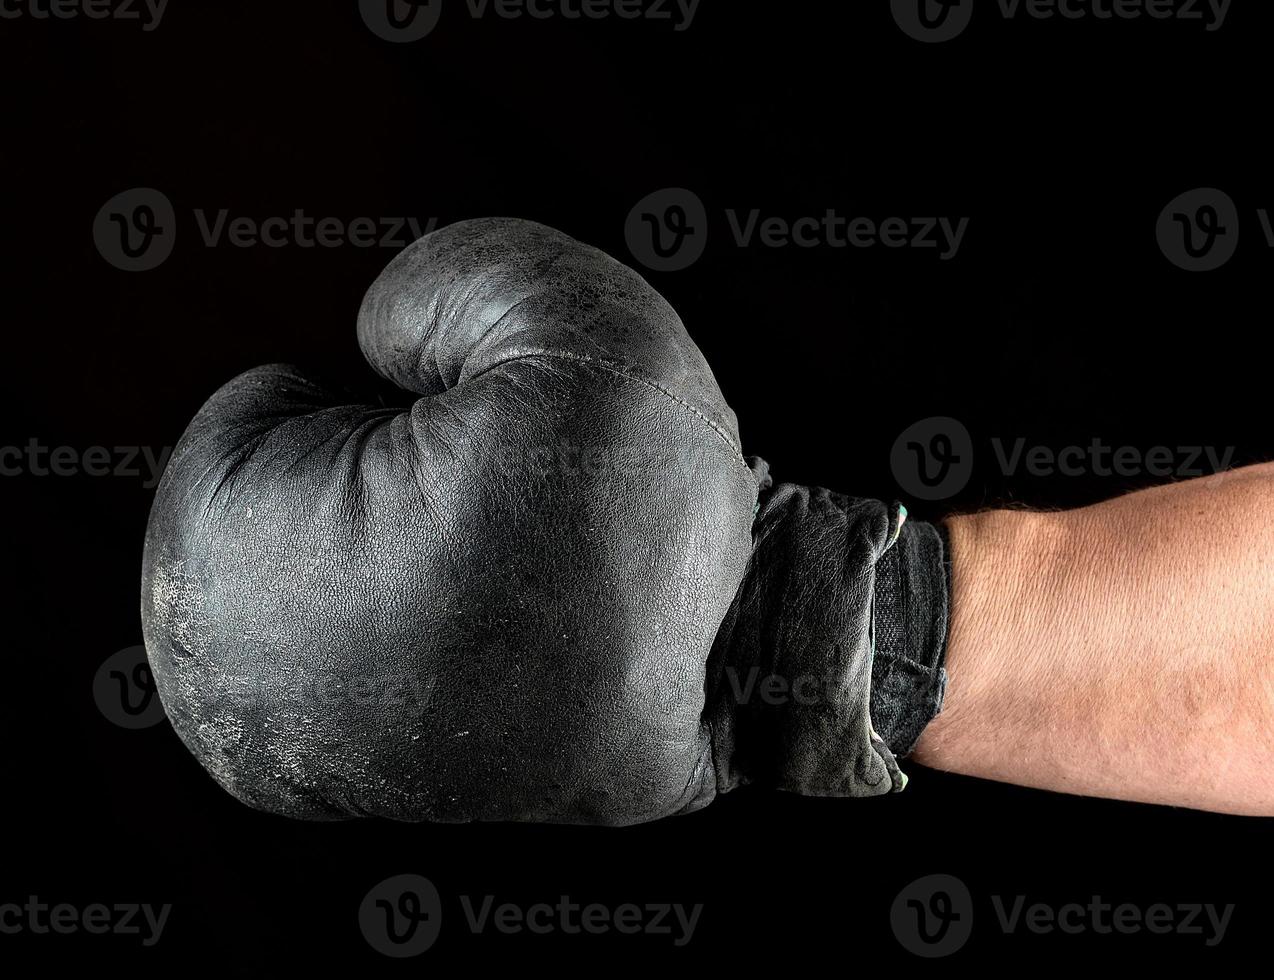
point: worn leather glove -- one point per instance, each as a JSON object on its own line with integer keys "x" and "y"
{"x": 552, "y": 589}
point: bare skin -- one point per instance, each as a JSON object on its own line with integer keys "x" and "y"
{"x": 1123, "y": 650}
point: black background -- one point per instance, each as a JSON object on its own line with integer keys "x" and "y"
{"x": 1059, "y": 321}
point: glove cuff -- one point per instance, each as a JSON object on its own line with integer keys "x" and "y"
{"x": 834, "y": 583}
{"x": 912, "y": 596}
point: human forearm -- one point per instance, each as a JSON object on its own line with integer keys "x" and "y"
{"x": 1123, "y": 650}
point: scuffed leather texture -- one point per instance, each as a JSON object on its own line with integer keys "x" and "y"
{"x": 504, "y": 603}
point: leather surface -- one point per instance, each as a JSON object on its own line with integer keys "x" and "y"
{"x": 506, "y": 603}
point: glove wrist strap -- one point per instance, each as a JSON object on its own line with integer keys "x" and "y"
{"x": 912, "y": 602}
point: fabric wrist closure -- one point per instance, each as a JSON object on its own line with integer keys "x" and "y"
{"x": 830, "y": 661}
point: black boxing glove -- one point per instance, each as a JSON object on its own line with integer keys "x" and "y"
{"x": 553, "y": 589}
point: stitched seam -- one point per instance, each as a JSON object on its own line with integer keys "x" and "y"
{"x": 901, "y": 660}
{"x": 618, "y": 370}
